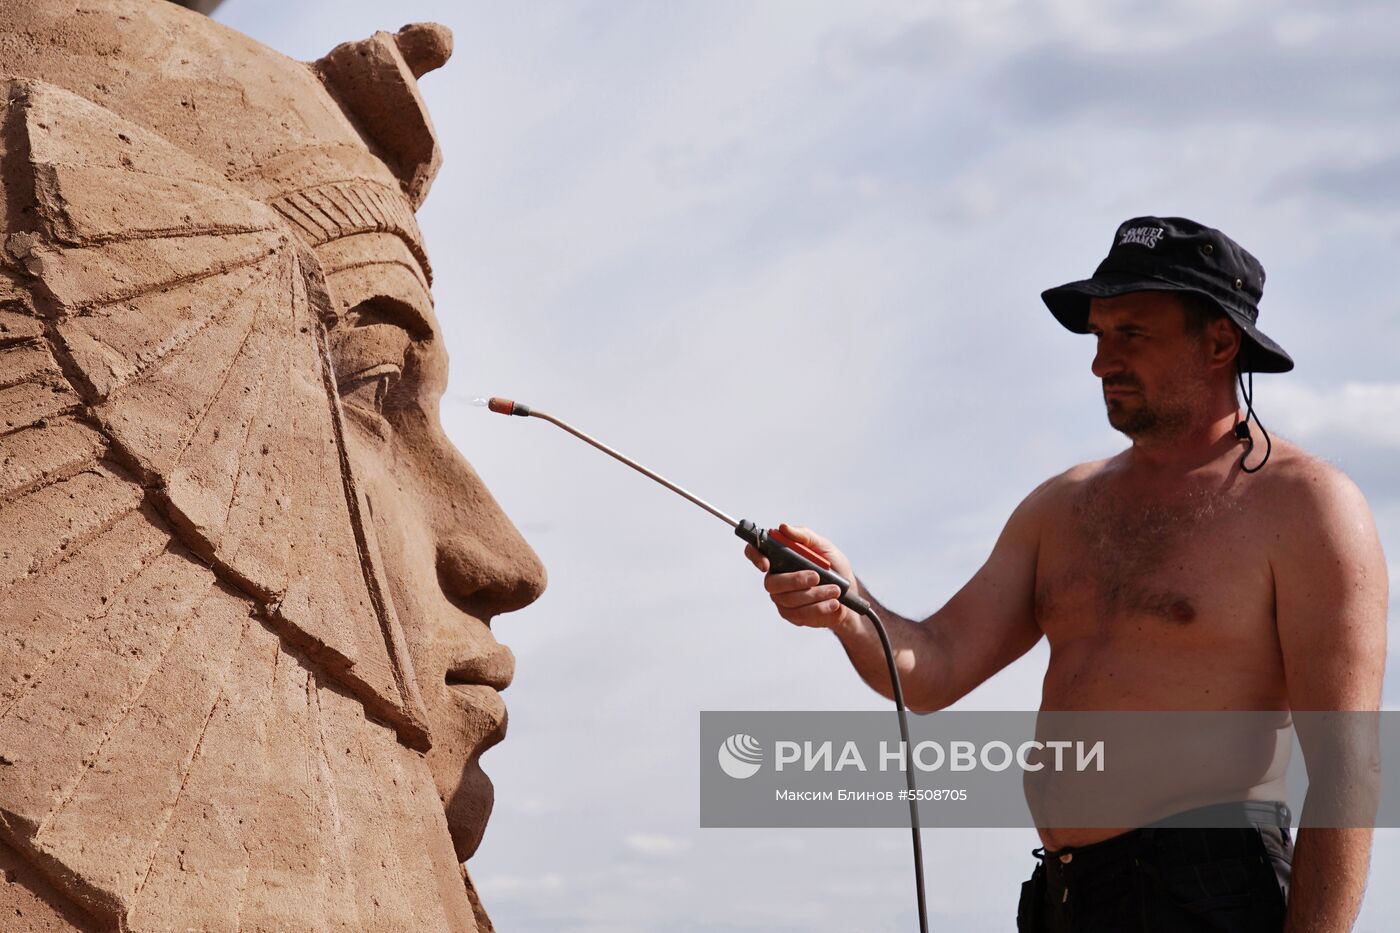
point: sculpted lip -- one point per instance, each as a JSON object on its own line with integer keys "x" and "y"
{"x": 493, "y": 667}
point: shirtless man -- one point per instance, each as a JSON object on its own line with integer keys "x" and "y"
{"x": 1176, "y": 575}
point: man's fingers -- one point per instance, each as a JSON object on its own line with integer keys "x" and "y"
{"x": 806, "y": 597}
{"x": 800, "y": 596}
{"x": 796, "y": 533}
{"x": 812, "y": 540}
{"x": 804, "y": 535}
{"x": 790, "y": 582}
{"x": 757, "y": 559}
{"x": 822, "y": 614}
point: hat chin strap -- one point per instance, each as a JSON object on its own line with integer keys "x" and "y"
{"x": 1242, "y": 428}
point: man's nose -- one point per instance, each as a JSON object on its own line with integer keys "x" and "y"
{"x": 483, "y": 562}
{"x": 1107, "y": 361}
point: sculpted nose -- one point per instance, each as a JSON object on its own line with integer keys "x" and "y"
{"x": 483, "y": 563}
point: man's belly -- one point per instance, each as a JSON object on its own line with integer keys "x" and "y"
{"x": 1190, "y": 725}
{"x": 1133, "y": 670}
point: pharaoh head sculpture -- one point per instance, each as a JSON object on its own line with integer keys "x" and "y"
{"x": 246, "y": 669}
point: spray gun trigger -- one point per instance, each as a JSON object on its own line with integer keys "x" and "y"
{"x": 800, "y": 548}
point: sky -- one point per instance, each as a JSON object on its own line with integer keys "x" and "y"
{"x": 789, "y": 254}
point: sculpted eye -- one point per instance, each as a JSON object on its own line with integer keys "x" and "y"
{"x": 369, "y": 361}
{"x": 370, "y": 388}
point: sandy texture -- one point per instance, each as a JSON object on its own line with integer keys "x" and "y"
{"x": 246, "y": 670}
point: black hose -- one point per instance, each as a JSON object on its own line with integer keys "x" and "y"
{"x": 908, "y": 766}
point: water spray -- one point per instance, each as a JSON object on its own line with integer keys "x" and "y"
{"x": 785, "y": 555}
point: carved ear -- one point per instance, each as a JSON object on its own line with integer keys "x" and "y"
{"x": 184, "y": 322}
{"x": 375, "y": 80}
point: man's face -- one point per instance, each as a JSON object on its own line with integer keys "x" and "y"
{"x": 1154, "y": 370}
{"x": 452, "y": 558}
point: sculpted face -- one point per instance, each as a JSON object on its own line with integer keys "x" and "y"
{"x": 453, "y": 560}
{"x": 1153, "y": 369}
{"x": 246, "y": 665}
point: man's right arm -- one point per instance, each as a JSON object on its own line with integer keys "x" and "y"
{"x": 988, "y": 624}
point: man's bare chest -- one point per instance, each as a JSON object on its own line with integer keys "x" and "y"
{"x": 1186, "y": 567}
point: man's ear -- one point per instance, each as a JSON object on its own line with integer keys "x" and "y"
{"x": 1222, "y": 341}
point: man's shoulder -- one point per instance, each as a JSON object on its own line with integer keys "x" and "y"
{"x": 1301, "y": 489}
{"x": 1075, "y": 478}
{"x": 1293, "y": 471}
{"x": 1060, "y": 490}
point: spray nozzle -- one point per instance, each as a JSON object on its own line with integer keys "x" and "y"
{"x": 502, "y": 406}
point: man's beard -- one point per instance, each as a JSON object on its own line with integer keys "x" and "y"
{"x": 1139, "y": 417}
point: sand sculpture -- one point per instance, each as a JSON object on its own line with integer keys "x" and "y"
{"x": 245, "y": 581}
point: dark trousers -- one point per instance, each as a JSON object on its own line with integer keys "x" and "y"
{"x": 1163, "y": 880}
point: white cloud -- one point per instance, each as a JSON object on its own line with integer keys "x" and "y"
{"x": 655, "y": 845}
{"x": 1363, "y": 412}
{"x": 510, "y": 887}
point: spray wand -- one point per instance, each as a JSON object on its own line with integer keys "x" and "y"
{"x": 785, "y": 555}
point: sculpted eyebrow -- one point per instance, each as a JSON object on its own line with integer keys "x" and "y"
{"x": 382, "y": 309}
{"x": 388, "y": 284}
{"x": 368, "y": 348}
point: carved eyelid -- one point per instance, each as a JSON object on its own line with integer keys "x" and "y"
{"x": 371, "y": 350}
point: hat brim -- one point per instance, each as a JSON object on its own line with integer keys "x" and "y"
{"x": 1069, "y": 303}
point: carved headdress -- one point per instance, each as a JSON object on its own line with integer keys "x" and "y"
{"x": 206, "y": 697}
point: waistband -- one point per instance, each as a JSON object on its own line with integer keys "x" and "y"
{"x": 1234, "y": 814}
{"x": 1213, "y": 829}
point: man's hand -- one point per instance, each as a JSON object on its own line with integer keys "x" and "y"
{"x": 799, "y": 597}
{"x": 988, "y": 624}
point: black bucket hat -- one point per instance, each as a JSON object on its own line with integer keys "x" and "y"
{"x": 1174, "y": 254}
